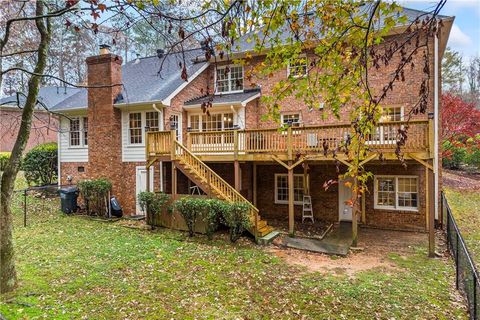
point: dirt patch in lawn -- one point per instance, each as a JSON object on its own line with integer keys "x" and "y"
{"x": 461, "y": 180}
{"x": 376, "y": 246}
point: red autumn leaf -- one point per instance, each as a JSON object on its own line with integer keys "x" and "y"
{"x": 67, "y": 23}
{"x": 102, "y": 7}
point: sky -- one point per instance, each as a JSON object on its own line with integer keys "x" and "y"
{"x": 465, "y": 33}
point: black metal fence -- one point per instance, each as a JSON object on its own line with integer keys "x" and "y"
{"x": 32, "y": 205}
{"x": 467, "y": 280}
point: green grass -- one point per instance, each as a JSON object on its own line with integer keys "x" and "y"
{"x": 465, "y": 206}
{"x": 74, "y": 268}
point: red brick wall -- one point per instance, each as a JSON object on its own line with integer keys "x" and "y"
{"x": 44, "y": 128}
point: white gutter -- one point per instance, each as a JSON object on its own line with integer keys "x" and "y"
{"x": 436, "y": 127}
{"x": 59, "y": 152}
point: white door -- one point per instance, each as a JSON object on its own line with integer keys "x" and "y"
{"x": 344, "y": 194}
{"x": 176, "y": 122}
{"x": 141, "y": 185}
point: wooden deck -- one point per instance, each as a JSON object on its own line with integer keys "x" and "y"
{"x": 263, "y": 144}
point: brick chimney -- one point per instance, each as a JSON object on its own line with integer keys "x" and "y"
{"x": 104, "y": 121}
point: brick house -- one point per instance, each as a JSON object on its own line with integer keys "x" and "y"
{"x": 44, "y": 124}
{"x": 145, "y": 130}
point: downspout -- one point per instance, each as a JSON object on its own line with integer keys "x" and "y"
{"x": 59, "y": 152}
{"x": 436, "y": 128}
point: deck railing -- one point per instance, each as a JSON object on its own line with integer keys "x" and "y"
{"x": 293, "y": 140}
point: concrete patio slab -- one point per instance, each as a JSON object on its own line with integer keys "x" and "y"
{"x": 336, "y": 243}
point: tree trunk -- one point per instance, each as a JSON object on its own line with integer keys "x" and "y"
{"x": 8, "y": 278}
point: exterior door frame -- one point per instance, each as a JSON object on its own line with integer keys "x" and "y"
{"x": 138, "y": 189}
{"x": 342, "y": 214}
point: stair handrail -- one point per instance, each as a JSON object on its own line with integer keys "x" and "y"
{"x": 218, "y": 177}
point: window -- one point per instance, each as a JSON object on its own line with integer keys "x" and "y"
{"x": 392, "y": 114}
{"x": 135, "y": 127}
{"x": 78, "y": 132}
{"x": 281, "y": 188}
{"x": 387, "y": 134}
{"x": 152, "y": 123}
{"x": 85, "y": 131}
{"x": 212, "y": 122}
{"x": 396, "y": 192}
{"x": 75, "y": 132}
{"x": 297, "y": 67}
{"x": 290, "y": 119}
{"x": 229, "y": 79}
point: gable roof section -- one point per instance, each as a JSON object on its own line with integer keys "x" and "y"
{"x": 49, "y": 96}
{"x": 143, "y": 81}
{"x": 246, "y": 43}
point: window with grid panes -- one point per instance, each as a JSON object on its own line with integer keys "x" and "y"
{"x": 75, "y": 132}
{"x": 151, "y": 121}
{"x": 281, "y": 188}
{"x": 229, "y": 79}
{"x": 290, "y": 118}
{"x": 297, "y": 67}
{"x": 396, "y": 192}
{"x": 135, "y": 127}
{"x": 85, "y": 131}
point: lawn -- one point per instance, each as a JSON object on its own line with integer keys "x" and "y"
{"x": 465, "y": 206}
{"x": 74, "y": 268}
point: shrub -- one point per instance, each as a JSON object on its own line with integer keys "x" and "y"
{"x": 237, "y": 219}
{"x": 191, "y": 208}
{"x": 216, "y": 212}
{"x": 40, "y": 164}
{"x": 4, "y": 156}
{"x": 95, "y": 193}
{"x": 454, "y": 155}
{"x": 152, "y": 203}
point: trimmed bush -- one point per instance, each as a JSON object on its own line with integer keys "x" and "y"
{"x": 237, "y": 219}
{"x": 95, "y": 193}
{"x": 191, "y": 208}
{"x": 454, "y": 155}
{"x": 40, "y": 164}
{"x": 152, "y": 203}
{"x": 216, "y": 212}
{"x": 4, "y": 156}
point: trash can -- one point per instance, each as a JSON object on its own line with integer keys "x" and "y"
{"x": 68, "y": 199}
{"x": 116, "y": 208}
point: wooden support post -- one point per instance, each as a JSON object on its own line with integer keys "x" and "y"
{"x": 173, "y": 137}
{"x": 291, "y": 208}
{"x": 306, "y": 190}
{"x": 148, "y": 178}
{"x": 254, "y": 184}
{"x": 355, "y": 214}
{"x": 289, "y": 144}
{"x": 430, "y": 216}
{"x": 364, "y": 215}
{"x": 431, "y": 137}
{"x": 174, "y": 180}
{"x": 236, "y": 169}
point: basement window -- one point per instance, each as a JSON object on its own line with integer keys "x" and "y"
{"x": 396, "y": 192}
{"x": 281, "y": 188}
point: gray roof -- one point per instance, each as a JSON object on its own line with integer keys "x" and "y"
{"x": 144, "y": 81}
{"x": 233, "y": 98}
{"x": 49, "y": 96}
{"x": 247, "y": 43}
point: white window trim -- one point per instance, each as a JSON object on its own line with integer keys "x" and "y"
{"x": 229, "y": 79}
{"x": 82, "y": 144}
{"x": 381, "y": 133}
{"x": 301, "y": 56}
{"x": 276, "y": 201}
{"x": 396, "y": 207}
{"x": 282, "y": 117}
{"x": 201, "y": 114}
{"x": 143, "y": 118}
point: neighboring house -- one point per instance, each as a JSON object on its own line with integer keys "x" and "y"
{"x": 44, "y": 123}
{"x": 119, "y": 131}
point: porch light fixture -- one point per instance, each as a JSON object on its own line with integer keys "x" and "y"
{"x": 431, "y": 115}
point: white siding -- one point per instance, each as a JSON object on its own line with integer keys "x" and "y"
{"x": 136, "y": 152}
{"x": 68, "y": 153}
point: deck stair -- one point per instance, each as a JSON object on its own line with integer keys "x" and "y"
{"x": 211, "y": 183}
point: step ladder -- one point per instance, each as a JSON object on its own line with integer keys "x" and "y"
{"x": 307, "y": 212}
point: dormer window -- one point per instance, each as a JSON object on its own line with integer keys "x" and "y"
{"x": 229, "y": 79}
{"x": 297, "y": 67}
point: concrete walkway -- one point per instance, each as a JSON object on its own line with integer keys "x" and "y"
{"x": 336, "y": 243}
